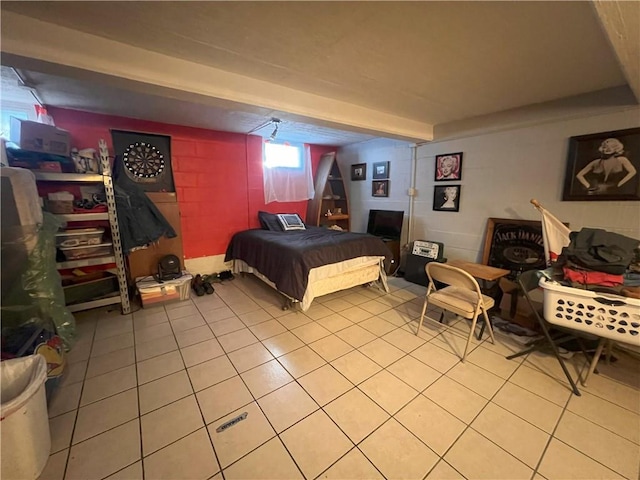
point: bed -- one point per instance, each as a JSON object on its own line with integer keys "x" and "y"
{"x": 305, "y": 264}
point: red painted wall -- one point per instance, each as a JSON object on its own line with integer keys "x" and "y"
{"x": 218, "y": 175}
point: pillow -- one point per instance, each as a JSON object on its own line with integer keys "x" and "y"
{"x": 291, "y": 221}
{"x": 269, "y": 221}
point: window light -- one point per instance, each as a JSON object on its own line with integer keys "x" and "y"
{"x": 282, "y": 155}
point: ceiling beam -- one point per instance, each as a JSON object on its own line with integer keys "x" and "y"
{"x": 620, "y": 21}
{"x": 30, "y": 38}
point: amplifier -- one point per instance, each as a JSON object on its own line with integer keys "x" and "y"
{"x": 422, "y": 252}
{"x": 432, "y": 250}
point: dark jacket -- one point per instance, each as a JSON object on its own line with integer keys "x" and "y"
{"x": 140, "y": 221}
{"x": 599, "y": 250}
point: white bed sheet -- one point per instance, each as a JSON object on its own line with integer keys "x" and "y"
{"x": 331, "y": 278}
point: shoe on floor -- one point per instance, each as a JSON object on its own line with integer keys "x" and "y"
{"x": 198, "y": 286}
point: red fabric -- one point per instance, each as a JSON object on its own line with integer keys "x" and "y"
{"x": 592, "y": 277}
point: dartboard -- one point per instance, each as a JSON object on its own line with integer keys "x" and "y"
{"x": 144, "y": 162}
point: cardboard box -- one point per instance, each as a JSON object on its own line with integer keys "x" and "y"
{"x": 38, "y": 137}
{"x": 523, "y": 315}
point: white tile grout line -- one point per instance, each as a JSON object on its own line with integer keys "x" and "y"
{"x": 204, "y": 421}
{"x": 135, "y": 357}
{"x": 270, "y": 359}
{"x": 77, "y": 410}
{"x": 296, "y": 380}
{"x": 231, "y": 351}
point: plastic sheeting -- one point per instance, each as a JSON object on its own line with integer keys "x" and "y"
{"x": 35, "y": 296}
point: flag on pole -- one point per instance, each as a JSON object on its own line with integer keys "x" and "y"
{"x": 555, "y": 234}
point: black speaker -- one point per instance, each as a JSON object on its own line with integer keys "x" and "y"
{"x": 422, "y": 252}
{"x": 169, "y": 268}
{"x": 414, "y": 269}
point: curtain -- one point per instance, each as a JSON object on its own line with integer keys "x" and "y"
{"x": 285, "y": 184}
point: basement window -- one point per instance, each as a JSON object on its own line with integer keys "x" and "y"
{"x": 286, "y": 171}
{"x": 279, "y": 155}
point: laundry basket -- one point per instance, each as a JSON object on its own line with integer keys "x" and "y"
{"x": 24, "y": 422}
{"x": 602, "y": 314}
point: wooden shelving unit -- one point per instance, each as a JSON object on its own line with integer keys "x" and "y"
{"x": 330, "y": 204}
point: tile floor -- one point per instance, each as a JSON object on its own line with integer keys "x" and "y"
{"x": 345, "y": 391}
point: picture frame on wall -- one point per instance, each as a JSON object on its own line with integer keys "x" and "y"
{"x": 603, "y": 166}
{"x": 448, "y": 167}
{"x": 359, "y": 171}
{"x": 380, "y": 188}
{"x": 446, "y": 198}
{"x": 380, "y": 170}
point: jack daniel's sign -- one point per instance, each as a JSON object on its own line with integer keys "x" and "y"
{"x": 517, "y": 246}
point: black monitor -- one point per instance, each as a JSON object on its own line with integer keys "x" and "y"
{"x": 385, "y": 223}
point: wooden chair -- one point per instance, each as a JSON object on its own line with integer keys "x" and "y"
{"x": 460, "y": 295}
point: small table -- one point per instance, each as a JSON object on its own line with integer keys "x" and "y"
{"x": 478, "y": 270}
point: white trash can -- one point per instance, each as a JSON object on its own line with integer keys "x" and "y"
{"x": 24, "y": 422}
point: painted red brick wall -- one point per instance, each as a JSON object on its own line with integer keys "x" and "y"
{"x": 218, "y": 175}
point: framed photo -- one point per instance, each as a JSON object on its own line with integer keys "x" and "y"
{"x": 359, "y": 171}
{"x": 380, "y": 170}
{"x": 603, "y": 166}
{"x": 380, "y": 188}
{"x": 448, "y": 167}
{"x": 446, "y": 198}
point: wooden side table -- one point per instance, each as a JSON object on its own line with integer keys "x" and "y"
{"x": 478, "y": 270}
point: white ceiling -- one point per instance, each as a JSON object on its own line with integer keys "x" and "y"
{"x": 432, "y": 65}
{"x": 95, "y": 97}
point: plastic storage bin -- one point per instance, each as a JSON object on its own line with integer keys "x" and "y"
{"x": 602, "y": 314}
{"x": 26, "y": 440}
{"x": 154, "y": 293}
{"x": 79, "y": 237}
{"x": 77, "y": 253}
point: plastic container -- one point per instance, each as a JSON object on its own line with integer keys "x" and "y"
{"x": 601, "y": 314}
{"x": 154, "y": 293}
{"x": 77, "y": 253}
{"x": 79, "y": 237}
{"x": 89, "y": 287}
{"x": 26, "y": 440}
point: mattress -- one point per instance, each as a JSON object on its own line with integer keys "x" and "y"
{"x": 331, "y": 278}
{"x": 287, "y": 258}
